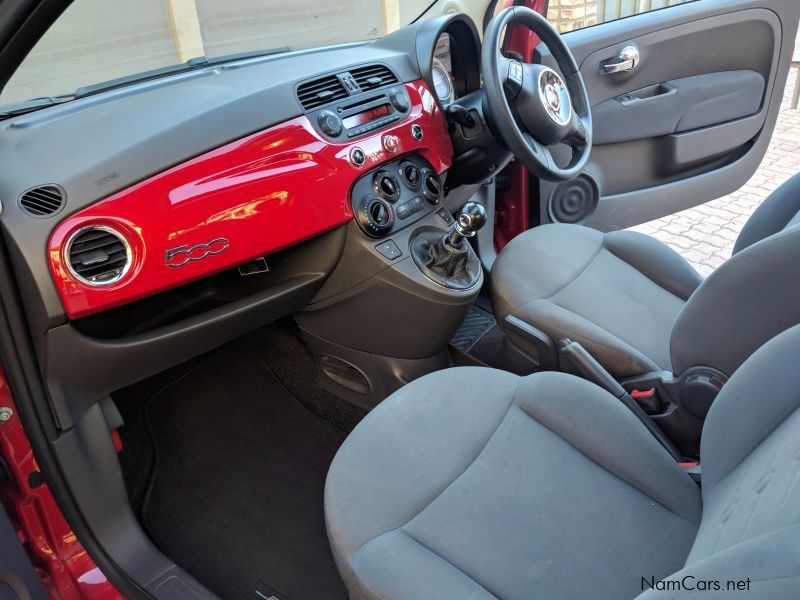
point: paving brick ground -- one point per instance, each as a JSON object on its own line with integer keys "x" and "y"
{"x": 704, "y": 235}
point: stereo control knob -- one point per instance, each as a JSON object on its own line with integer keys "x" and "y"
{"x": 399, "y": 100}
{"x": 357, "y": 157}
{"x": 330, "y": 123}
{"x": 391, "y": 143}
{"x": 375, "y": 216}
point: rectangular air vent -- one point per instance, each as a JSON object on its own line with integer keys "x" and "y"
{"x": 320, "y": 91}
{"x": 373, "y": 76}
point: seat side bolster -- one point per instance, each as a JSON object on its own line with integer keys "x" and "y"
{"x": 748, "y": 300}
{"x": 769, "y": 561}
{"x": 600, "y": 427}
{"x": 656, "y": 261}
{"x": 776, "y": 212}
{"x": 759, "y": 397}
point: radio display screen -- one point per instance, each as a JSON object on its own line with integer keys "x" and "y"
{"x": 367, "y": 116}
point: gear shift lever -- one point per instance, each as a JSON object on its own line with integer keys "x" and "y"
{"x": 448, "y": 259}
{"x": 469, "y": 220}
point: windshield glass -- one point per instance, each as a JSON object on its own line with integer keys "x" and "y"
{"x": 99, "y": 40}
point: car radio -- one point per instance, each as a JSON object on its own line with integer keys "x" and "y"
{"x": 352, "y": 118}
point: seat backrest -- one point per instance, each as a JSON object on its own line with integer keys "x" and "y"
{"x": 751, "y": 298}
{"x": 750, "y": 526}
{"x": 779, "y": 211}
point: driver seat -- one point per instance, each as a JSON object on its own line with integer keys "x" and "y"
{"x": 638, "y": 307}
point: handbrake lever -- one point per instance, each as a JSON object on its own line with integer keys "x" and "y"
{"x": 593, "y": 371}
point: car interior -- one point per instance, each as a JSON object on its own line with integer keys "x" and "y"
{"x": 365, "y": 321}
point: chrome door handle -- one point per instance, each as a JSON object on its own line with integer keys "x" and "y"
{"x": 629, "y": 58}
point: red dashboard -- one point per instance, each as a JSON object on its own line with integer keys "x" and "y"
{"x": 242, "y": 201}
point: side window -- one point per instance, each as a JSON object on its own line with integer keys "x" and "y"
{"x": 569, "y": 15}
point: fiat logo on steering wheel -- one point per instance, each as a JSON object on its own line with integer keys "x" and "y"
{"x": 552, "y": 97}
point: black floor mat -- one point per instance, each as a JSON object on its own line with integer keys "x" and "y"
{"x": 279, "y": 345}
{"x": 475, "y": 325}
{"x": 237, "y": 488}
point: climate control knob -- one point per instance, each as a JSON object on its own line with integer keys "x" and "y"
{"x": 375, "y": 216}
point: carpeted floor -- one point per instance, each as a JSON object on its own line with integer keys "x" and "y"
{"x": 236, "y": 466}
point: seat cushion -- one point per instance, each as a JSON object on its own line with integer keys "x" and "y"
{"x": 475, "y": 483}
{"x": 618, "y": 294}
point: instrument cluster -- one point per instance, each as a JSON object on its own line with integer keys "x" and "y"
{"x": 442, "y": 70}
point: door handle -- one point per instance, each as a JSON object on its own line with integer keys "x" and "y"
{"x": 628, "y": 59}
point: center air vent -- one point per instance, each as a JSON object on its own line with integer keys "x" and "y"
{"x": 42, "y": 201}
{"x": 373, "y": 76}
{"x": 320, "y": 91}
{"x": 98, "y": 255}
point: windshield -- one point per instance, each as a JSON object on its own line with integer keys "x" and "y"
{"x": 100, "y": 40}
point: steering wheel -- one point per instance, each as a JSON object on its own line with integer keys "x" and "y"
{"x": 531, "y": 106}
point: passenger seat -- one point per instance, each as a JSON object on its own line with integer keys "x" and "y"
{"x": 473, "y": 483}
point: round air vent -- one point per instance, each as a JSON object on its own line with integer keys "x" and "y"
{"x": 411, "y": 174}
{"x": 431, "y": 186}
{"x": 98, "y": 255}
{"x": 42, "y": 201}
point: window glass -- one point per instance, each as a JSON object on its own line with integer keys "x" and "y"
{"x": 569, "y": 15}
{"x": 95, "y": 41}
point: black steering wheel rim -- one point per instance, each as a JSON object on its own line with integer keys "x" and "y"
{"x": 518, "y": 119}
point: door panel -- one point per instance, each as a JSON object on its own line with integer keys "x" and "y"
{"x": 693, "y": 121}
{"x": 678, "y": 105}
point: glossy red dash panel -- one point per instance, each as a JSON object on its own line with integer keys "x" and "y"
{"x": 258, "y": 195}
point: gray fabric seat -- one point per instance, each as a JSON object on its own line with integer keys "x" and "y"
{"x": 639, "y": 307}
{"x": 473, "y": 483}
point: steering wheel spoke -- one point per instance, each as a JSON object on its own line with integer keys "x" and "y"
{"x": 542, "y": 160}
{"x": 511, "y": 70}
{"x": 578, "y": 136}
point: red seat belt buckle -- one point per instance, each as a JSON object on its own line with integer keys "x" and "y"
{"x": 693, "y": 469}
{"x": 117, "y": 440}
{"x": 638, "y": 394}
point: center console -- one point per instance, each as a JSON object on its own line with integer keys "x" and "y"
{"x": 406, "y": 280}
{"x": 396, "y": 195}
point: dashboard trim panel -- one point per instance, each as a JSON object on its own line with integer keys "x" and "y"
{"x": 263, "y": 193}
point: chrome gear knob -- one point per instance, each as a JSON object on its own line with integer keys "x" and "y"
{"x": 470, "y": 219}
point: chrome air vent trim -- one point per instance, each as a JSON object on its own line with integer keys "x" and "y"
{"x": 97, "y": 255}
